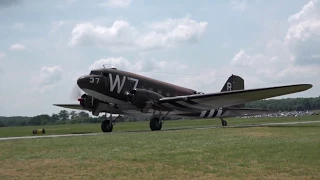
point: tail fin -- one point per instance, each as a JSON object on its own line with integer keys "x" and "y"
{"x": 234, "y": 83}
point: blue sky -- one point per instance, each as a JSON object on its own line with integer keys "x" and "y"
{"x": 46, "y": 45}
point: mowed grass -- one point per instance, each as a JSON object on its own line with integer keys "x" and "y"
{"x": 140, "y": 126}
{"x": 284, "y": 152}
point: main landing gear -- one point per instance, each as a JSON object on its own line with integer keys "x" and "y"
{"x": 157, "y": 121}
{"x": 155, "y": 124}
{"x": 107, "y": 125}
{"x": 223, "y": 122}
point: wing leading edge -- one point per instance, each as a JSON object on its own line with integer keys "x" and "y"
{"x": 229, "y": 98}
{"x": 70, "y": 106}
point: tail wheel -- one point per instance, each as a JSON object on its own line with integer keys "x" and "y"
{"x": 106, "y": 126}
{"x": 155, "y": 124}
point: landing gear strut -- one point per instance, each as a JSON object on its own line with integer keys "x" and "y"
{"x": 107, "y": 125}
{"x": 223, "y": 122}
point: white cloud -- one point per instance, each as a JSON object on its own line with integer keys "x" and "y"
{"x": 165, "y": 34}
{"x": 296, "y": 57}
{"x": 116, "y": 3}
{"x": 171, "y": 33}
{"x": 203, "y": 82}
{"x": 17, "y": 47}
{"x": 18, "y": 26}
{"x": 303, "y": 35}
{"x": 225, "y": 45}
{"x": 118, "y": 62}
{"x": 71, "y": 1}
{"x": 66, "y": 3}
{"x": 56, "y": 25}
{"x": 239, "y": 5}
{"x": 141, "y": 65}
{"x": 119, "y": 34}
{"x": 309, "y": 10}
{"x": 2, "y": 55}
{"x": 242, "y": 59}
{"x": 48, "y": 77}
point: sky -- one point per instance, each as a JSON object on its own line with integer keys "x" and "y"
{"x": 46, "y": 45}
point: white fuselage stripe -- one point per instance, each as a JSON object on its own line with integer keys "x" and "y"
{"x": 211, "y": 113}
{"x": 202, "y": 114}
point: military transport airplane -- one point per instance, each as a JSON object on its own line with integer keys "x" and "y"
{"x": 113, "y": 91}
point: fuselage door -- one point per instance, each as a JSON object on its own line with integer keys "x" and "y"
{"x": 106, "y": 79}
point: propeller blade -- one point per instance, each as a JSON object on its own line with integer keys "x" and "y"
{"x": 76, "y": 93}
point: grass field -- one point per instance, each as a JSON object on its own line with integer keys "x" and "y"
{"x": 136, "y": 126}
{"x": 283, "y": 152}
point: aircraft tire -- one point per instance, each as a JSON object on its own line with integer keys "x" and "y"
{"x": 155, "y": 125}
{"x": 106, "y": 126}
{"x": 224, "y": 123}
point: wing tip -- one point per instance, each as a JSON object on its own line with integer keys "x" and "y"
{"x": 306, "y": 86}
{"x": 58, "y": 104}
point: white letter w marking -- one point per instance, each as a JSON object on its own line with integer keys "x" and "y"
{"x": 115, "y": 82}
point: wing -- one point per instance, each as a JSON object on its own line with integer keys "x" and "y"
{"x": 124, "y": 110}
{"x": 228, "y": 98}
{"x": 108, "y": 109}
{"x": 71, "y": 106}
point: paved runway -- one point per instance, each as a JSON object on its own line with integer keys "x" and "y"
{"x": 169, "y": 129}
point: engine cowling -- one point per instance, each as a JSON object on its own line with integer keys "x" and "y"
{"x": 88, "y": 102}
{"x": 140, "y": 97}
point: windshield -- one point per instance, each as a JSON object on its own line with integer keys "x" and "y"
{"x": 95, "y": 73}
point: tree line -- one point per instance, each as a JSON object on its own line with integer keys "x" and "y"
{"x": 289, "y": 104}
{"x": 63, "y": 117}
{"x": 72, "y": 117}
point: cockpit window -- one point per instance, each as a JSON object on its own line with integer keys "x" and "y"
{"x": 95, "y": 73}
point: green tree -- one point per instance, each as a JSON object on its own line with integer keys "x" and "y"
{"x": 63, "y": 115}
{"x": 40, "y": 119}
{"x": 73, "y": 114}
{"x": 55, "y": 117}
{"x": 83, "y": 114}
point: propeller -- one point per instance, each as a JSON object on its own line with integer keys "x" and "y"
{"x": 76, "y": 93}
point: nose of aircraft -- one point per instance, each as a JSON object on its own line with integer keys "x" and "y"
{"x": 91, "y": 82}
{"x": 82, "y": 81}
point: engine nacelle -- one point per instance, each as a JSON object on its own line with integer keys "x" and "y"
{"x": 88, "y": 102}
{"x": 139, "y": 97}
